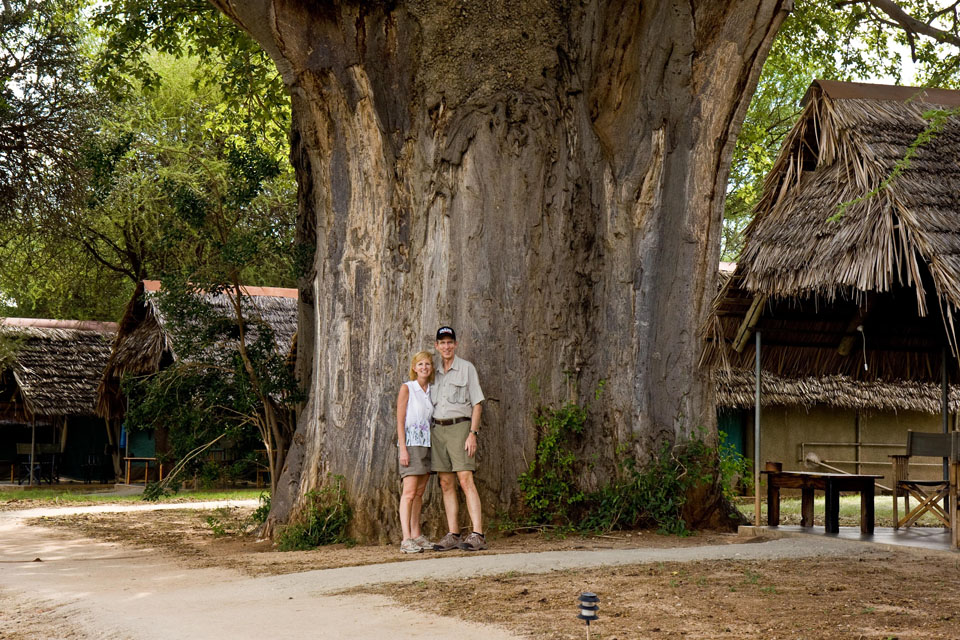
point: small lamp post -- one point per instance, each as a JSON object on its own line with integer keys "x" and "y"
{"x": 588, "y": 603}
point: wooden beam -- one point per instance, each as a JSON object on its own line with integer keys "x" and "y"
{"x": 749, "y": 322}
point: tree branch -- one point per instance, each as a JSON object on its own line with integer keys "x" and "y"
{"x": 907, "y": 22}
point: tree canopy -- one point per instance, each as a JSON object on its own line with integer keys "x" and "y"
{"x": 142, "y": 133}
{"x": 46, "y": 104}
{"x": 876, "y": 48}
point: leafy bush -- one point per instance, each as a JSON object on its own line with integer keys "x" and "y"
{"x": 263, "y": 509}
{"x": 735, "y": 469}
{"x": 653, "y": 494}
{"x": 324, "y": 520}
{"x": 549, "y": 486}
{"x": 217, "y": 526}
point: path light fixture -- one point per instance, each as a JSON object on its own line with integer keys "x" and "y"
{"x": 589, "y": 605}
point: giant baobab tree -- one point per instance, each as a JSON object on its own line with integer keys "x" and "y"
{"x": 546, "y": 176}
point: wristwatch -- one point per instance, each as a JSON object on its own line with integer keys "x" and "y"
{"x": 476, "y": 433}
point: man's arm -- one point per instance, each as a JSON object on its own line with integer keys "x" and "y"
{"x": 470, "y": 446}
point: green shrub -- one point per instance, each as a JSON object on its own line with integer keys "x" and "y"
{"x": 735, "y": 469}
{"x": 652, "y": 494}
{"x": 549, "y": 486}
{"x": 217, "y": 526}
{"x": 324, "y": 520}
{"x": 263, "y": 509}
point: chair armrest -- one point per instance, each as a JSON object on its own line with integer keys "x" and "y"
{"x": 901, "y": 467}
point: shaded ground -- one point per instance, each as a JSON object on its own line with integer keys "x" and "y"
{"x": 209, "y": 538}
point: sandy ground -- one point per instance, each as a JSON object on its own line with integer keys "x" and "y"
{"x": 54, "y": 584}
{"x": 187, "y": 534}
{"x": 166, "y": 575}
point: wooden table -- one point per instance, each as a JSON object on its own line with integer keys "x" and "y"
{"x": 832, "y": 484}
{"x": 146, "y": 470}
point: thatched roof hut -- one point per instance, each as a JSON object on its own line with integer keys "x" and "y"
{"x": 53, "y": 368}
{"x": 872, "y": 294}
{"x": 143, "y": 344}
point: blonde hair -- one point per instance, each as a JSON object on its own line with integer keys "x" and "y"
{"x": 422, "y": 355}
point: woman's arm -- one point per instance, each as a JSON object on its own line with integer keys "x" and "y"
{"x": 402, "y": 399}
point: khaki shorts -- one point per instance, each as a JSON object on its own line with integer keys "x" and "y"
{"x": 446, "y": 451}
{"x": 419, "y": 462}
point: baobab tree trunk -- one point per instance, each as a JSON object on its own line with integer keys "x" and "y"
{"x": 545, "y": 176}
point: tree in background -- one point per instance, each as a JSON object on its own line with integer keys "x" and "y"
{"x": 47, "y": 111}
{"x": 230, "y": 377}
{"x": 82, "y": 258}
{"x": 45, "y": 105}
{"x": 806, "y": 49}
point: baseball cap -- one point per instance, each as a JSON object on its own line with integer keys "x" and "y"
{"x": 446, "y": 332}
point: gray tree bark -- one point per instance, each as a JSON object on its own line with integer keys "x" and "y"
{"x": 545, "y": 176}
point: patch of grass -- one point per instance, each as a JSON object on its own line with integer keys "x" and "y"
{"x": 849, "y": 511}
{"x": 56, "y": 497}
{"x": 224, "y": 522}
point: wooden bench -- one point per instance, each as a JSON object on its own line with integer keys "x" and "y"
{"x": 832, "y": 484}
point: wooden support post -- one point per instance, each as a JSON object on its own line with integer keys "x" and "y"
{"x": 806, "y": 507}
{"x": 867, "y": 503}
{"x": 954, "y": 520}
{"x": 944, "y": 406}
{"x": 756, "y": 438}
{"x": 831, "y": 518}
{"x": 773, "y": 495}
{"x": 33, "y": 448}
{"x": 749, "y": 322}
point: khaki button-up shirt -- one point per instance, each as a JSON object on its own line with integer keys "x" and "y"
{"x": 455, "y": 392}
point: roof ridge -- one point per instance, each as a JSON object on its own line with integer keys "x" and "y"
{"x": 48, "y": 323}
{"x": 153, "y": 286}
{"x": 839, "y": 90}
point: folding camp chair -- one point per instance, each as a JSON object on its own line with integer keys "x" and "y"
{"x": 932, "y": 495}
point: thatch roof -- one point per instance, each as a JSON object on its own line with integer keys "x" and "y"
{"x": 890, "y": 264}
{"x": 143, "y": 344}
{"x": 736, "y": 388}
{"x": 56, "y": 366}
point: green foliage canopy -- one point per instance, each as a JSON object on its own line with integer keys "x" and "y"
{"x": 819, "y": 40}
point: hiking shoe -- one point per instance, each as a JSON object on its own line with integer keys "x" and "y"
{"x": 474, "y": 542}
{"x": 410, "y": 546}
{"x": 447, "y": 542}
{"x": 423, "y": 543}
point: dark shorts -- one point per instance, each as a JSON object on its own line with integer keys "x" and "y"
{"x": 419, "y": 462}
{"x": 447, "y": 452}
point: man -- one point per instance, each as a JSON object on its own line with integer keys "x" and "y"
{"x": 456, "y": 397}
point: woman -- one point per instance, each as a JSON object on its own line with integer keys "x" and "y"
{"x": 414, "y": 413}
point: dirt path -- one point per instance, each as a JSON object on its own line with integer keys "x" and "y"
{"x": 81, "y": 588}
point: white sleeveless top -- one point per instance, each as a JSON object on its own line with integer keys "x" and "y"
{"x": 419, "y": 415}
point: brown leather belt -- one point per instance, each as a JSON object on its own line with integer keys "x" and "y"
{"x": 450, "y": 421}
